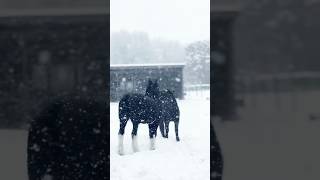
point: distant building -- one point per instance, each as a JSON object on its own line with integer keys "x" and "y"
{"x": 50, "y": 49}
{"x": 134, "y": 78}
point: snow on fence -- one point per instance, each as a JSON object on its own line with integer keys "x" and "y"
{"x": 197, "y": 91}
{"x": 196, "y": 87}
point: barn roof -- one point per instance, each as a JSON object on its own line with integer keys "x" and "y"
{"x": 146, "y": 66}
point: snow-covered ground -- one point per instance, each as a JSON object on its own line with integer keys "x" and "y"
{"x": 269, "y": 142}
{"x": 188, "y": 159}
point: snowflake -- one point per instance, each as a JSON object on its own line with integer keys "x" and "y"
{"x": 35, "y": 147}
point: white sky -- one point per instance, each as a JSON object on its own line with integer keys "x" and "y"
{"x": 181, "y": 20}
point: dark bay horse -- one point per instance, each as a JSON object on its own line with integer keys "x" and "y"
{"x": 140, "y": 108}
{"x": 170, "y": 112}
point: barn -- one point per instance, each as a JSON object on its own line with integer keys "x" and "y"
{"x": 49, "y": 50}
{"x": 126, "y": 78}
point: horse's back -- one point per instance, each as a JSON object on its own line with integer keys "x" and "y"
{"x": 138, "y": 106}
{"x": 170, "y": 109}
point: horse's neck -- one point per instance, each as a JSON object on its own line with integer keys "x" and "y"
{"x": 152, "y": 96}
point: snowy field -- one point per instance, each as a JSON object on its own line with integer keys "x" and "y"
{"x": 188, "y": 159}
{"x": 269, "y": 142}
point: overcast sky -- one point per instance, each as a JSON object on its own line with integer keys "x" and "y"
{"x": 182, "y": 20}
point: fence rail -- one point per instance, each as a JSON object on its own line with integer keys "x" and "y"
{"x": 197, "y": 87}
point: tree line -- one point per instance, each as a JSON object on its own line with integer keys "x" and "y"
{"x": 139, "y": 48}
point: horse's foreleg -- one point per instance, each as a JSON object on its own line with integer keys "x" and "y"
{"x": 123, "y": 122}
{"x": 134, "y": 137}
{"x": 152, "y": 135}
{"x": 120, "y": 145}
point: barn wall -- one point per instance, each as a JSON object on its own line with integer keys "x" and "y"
{"x": 135, "y": 80}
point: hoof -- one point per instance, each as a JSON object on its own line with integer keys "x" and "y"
{"x": 135, "y": 150}
{"x": 120, "y": 153}
{"x": 152, "y": 144}
{"x": 135, "y": 144}
{"x": 177, "y": 138}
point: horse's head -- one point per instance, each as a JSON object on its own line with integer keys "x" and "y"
{"x": 152, "y": 89}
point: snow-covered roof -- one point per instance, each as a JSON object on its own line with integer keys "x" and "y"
{"x": 158, "y": 65}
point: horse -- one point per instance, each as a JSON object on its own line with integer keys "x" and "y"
{"x": 140, "y": 108}
{"x": 170, "y": 112}
{"x": 67, "y": 140}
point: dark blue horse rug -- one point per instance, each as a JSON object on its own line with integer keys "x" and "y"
{"x": 140, "y": 108}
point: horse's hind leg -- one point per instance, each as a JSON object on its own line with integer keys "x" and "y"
{"x": 161, "y": 125}
{"x": 167, "y": 128}
{"x": 176, "y": 128}
{"x": 134, "y": 136}
{"x": 123, "y": 123}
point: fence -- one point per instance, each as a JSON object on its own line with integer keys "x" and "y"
{"x": 197, "y": 91}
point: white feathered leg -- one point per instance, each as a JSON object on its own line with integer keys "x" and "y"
{"x": 120, "y": 145}
{"x": 134, "y": 143}
{"x": 152, "y": 143}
